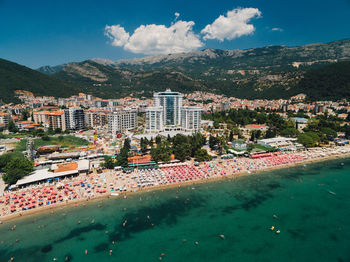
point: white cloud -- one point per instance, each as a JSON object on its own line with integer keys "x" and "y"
{"x": 117, "y": 34}
{"x": 233, "y": 25}
{"x": 277, "y": 29}
{"x": 156, "y": 39}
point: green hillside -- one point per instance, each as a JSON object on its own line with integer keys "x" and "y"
{"x": 331, "y": 82}
{"x": 17, "y": 77}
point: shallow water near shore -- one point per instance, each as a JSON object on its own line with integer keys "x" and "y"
{"x": 311, "y": 206}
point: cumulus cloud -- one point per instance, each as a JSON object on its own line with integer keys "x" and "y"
{"x": 277, "y": 29}
{"x": 156, "y": 39}
{"x": 233, "y": 25}
{"x": 117, "y": 34}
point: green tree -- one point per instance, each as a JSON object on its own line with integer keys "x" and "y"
{"x": 45, "y": 138}
{"x": 329, "y": 132}
{"x": 290, "y": 132}
{"x": 252, "y": 135}
{"x": 196, "y": 141}
{"x": 50, "y": 131}
{"x": 216, "y": 124}
{"x": 17, "y": 168}
{"x": 348, "y": 118}
{"x": 4, "y": 159}
{"x": 202, "y": 155}
{"x": 347, "y": 131}
{"x": 308, "y": 139}
{"x": 270, "y": 133}
{"x": 12, "y": 127}
{"x": 108, "y": 162}
{"x": 127, "y": 144}
{"x": 158, "y": 139}
{"x": 261, "y": 118}
{"x": 143, "y": 145}
{"x": 122, "y": 157}
{"x": 213, "y": 141}
{"x": 162, "y": 152}
{"x": 25, "y": 114}
{"x": 179, "y": 139}
{"x": 182, "y": 151}
{"x": 230, "y": 138}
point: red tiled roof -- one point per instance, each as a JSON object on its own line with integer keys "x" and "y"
{"x": 140, "y": 159}
{"x": 66, "y": 167}
{"x": 256, "y": 126}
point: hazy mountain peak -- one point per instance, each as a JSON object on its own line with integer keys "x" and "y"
{"x": 103, "y": 61}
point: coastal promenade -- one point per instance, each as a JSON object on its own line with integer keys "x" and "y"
{"x": 34, "y": 199}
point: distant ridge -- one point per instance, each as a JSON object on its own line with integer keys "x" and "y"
{"x": 269, "y": 57}
{"x": 17, "y": 77}
{"x": 270, "y": 72}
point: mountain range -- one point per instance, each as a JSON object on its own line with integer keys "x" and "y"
{"x": 268, "y": 72}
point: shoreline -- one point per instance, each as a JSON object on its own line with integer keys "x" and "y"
{"x": 83, "y": 202}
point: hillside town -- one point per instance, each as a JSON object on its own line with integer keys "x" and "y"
{"x": 61, "y": 149}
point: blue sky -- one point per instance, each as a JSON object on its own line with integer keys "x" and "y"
{"x": 52, "y": 32}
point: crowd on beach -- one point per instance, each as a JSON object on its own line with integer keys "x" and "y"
{"x": 85, "y": 187}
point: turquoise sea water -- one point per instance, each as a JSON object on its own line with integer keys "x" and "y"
{"x": 314, "y": 223}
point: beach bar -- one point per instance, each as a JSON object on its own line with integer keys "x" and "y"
{"x": 58, "y": 171}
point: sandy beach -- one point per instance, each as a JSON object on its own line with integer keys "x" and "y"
{"x": 70, "y": 193}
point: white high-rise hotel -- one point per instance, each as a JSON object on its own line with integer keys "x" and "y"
{"x": 168, "y": 113}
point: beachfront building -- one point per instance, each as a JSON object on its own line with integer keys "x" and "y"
{"x": 75, "y": 118}
{"x": 169, "y": 114}
{"x": 171, "y": 102}
{"x": 154, "y": 119}
{"x": 122, "y": 120}
{"x": 56, "y": 172}
{"x": 191, "y": 118}
{"x": 281, "y": 143}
